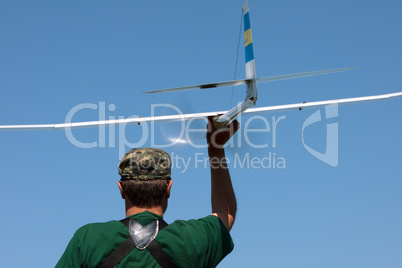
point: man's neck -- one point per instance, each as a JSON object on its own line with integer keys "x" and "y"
{"x": 134, "y": 210}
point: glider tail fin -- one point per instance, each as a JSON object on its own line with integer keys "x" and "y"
{"x": 251, "y": 77}
{"x": 248, "y": 44}
{"x": 251, "y": 93}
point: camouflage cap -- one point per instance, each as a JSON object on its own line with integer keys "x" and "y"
{"x": 145, "y": 164}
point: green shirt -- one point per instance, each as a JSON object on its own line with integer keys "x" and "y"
{"x": 194, "y": 243}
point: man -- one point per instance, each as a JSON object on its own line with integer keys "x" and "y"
{"x": 148, "y": 241}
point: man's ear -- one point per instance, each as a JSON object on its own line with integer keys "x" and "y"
{"x": 168, "y": 188}
{"x": 121, "y": 190}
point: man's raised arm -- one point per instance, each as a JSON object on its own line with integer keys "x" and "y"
{"x": 223, "y": 199}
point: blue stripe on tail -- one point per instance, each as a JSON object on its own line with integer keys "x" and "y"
{"x": 249, "y": 52}
{"x": 248, "y": 42}
{"x": 247, "y": 21}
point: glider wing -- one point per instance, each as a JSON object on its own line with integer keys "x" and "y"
{"x": 198, "y": 116}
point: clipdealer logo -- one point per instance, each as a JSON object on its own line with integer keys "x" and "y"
{"x": 107, "y": 135}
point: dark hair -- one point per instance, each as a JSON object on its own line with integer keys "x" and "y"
{"x": 145, "y": 193}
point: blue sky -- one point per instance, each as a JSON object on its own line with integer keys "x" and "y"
{"x": 57, "y": 55}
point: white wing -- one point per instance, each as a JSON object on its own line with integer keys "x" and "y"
{"x": 244, "y": 81}
{"x": 298, "y": 75}
{"x": 203, "y": 86}
{"x": 317, "y": 104}
{"x": 198, "y": 116}
{"x": 88, "y": 124}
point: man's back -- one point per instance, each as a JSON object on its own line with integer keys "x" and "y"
{"x": 145, "y": 185}
{"x": 194, "y": 243}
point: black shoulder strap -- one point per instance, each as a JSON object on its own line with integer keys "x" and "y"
{"x": 127, "y": 246}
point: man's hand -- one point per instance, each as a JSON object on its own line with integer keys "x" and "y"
{"x": 217, "y": 138}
